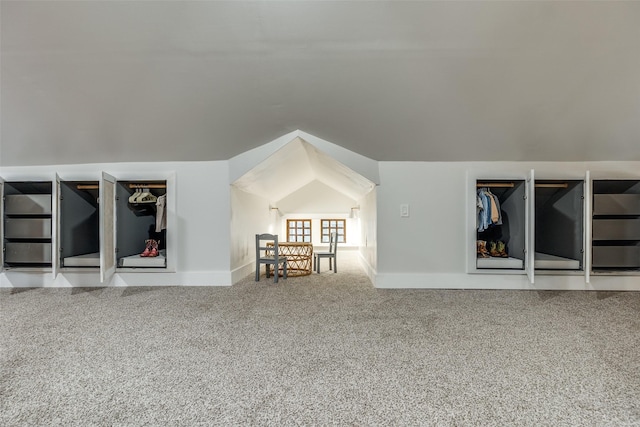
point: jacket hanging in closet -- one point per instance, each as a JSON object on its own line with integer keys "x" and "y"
{"x": 488, "y": 208}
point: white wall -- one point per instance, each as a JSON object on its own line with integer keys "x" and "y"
{"x": 368, "y": 220}
{"x": 215, "y": 226}
{"x": 316, "y": 201}
{"x": 429, "y": 248}
{"x": 250, "y": 215}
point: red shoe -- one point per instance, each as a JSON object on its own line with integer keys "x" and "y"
{"x": 154, "y": 249}
{"x": 147, "y": 249}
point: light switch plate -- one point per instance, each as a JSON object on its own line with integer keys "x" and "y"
{"x": 404, "y": 210}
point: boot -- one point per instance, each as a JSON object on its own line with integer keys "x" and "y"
{"x": 154, "y": 248}
{"x": 147, "y": 248}
{"x": 493, "y": 249}
{"x": 482, "y": 249}
{"x": 502, "y": 249}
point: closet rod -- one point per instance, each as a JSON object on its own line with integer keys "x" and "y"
{"x": 88, "y": 187}
{"x": 495, "y": 184}
{"x": 147, "y": 185}
{"x": 552, "y": 185}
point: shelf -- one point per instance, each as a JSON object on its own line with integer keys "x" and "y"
{"x": 500, "y": 263}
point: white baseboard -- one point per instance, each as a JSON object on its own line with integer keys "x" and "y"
{"x": 368, "y": 269}
{"x": 243, "y": 271}
{"x": 92, "y": 279}
{"x": 516, "y": 282}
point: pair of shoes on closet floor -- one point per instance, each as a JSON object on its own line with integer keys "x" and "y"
{"x": 151, "y": 248}
{"x": 482, "y": 249}
{"x": 498, "y": 249}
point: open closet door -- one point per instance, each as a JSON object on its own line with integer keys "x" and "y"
{"x": 55, "y": 238}
{"x": 107, "y": 203}
{"x": 586, "y": 248}
{"x": 530, "y": 227}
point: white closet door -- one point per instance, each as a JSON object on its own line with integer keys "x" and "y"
{"x": 107, "y": 209}
{"x": 530, "y": 227}
{"x": 587, "y": 206}
{"x": 55, "y": 238}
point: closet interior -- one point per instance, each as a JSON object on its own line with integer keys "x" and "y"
{"x": 616, "y": 225}
{"x": 27, "y": 224}
{"x": 559, "y": 225}
{"x": 79, "y": 218}
{"x": 500, "y": 224}
{"x": 141, "y": 224}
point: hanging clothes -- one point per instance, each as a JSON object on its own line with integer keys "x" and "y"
{"x": 488, "y": 209}
{"x": 484, "y": 211}
{"x": 496, "y": 212}
{"x": 161, "y": 213}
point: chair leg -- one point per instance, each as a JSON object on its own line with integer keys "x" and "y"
{"x": 257, "y": 272}
{"x": 285, "y": 270}
{"x": 276, "y": 273}
{"x": 335, "y": 265}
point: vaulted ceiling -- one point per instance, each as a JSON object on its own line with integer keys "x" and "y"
{"x": 297, "y": 164}
{"x": 101, "y": 81}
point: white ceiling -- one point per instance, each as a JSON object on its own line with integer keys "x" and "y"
{"x": 100, "y": 81}
{"x": 297, "y": 164}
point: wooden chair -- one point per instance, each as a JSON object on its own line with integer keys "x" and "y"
{"x": 268, "y": 255}
{"x": 331, "y": 254}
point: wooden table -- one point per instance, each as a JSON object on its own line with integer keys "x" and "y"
{"x": 299, "y": 257}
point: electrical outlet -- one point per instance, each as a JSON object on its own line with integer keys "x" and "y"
{"x": 404, "y": 210}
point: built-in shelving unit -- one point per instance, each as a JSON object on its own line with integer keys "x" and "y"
{"x": 27, "y": 211}
{"x": 539, "y": 225}
{"x": 616, "y": 225}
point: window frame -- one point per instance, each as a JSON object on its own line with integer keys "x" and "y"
{"x": 306, "y": 225}
{"x": 325, "y": 231}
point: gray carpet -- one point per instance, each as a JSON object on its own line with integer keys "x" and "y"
{"x": 326, "y": 349}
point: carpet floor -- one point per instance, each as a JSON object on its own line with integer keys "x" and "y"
{"x": 327, "y": 349}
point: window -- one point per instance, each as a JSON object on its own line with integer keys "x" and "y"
{"x": 299, "y": 230}
{"x": 330, "y": 225}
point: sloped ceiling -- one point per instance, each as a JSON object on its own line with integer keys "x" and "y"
{"x": 294, "y": 166}
{"x": 100, "y": 81}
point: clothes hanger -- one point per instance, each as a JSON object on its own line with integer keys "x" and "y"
{"x": 146, "y": 197}
{"x": 134, "y": 196}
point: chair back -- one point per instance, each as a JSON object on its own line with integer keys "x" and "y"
{"x": 263, "y": 248}
{"x": 333, "y": 242}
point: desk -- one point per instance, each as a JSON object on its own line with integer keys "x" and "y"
{"x": 299, "y": 256}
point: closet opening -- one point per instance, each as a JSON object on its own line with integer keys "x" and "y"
{"x": 27, "y": 224}
{"x": 79, "y": 224}
{"x": 559, "y": 225}
{"x": 140, "y": 221}
{"x": 616, "y": 225}
{"x": 501, "y": 210}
